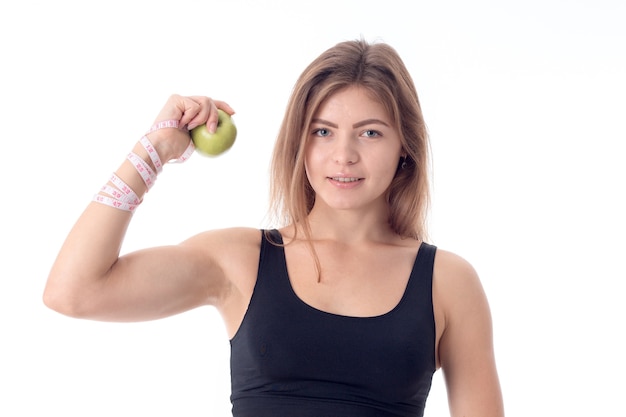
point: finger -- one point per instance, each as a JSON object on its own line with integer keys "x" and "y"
{"x": 192, "y": 110}
{"x": 206, "y": 108}
{"x": 211, "y": 122}
{"x": 218, "y": 103}
{"x": 213, "y": 117}
{"x": 224, "y": 106}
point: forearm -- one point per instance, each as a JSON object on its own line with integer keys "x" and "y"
{"x": 92, "y": 247}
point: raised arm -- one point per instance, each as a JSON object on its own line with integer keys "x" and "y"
{"x": 90, "y": 280}
{"x": 466, "y": 350}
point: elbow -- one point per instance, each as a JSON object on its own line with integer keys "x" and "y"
{"x": 63, "y": 300}
{"x": 58, "y": 303}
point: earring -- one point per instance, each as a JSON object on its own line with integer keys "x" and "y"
{"x": 404, "y": 164}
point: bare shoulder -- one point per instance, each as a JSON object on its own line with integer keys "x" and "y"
{"x": 455, "y": 276}
{"x": 228, "y": 236}
{"x": 235, "y": 251}
{"x": 226, "y": 245}
{"x": 459, "y": 299}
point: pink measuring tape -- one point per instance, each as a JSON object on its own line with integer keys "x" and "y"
{"x": 120, "y": 195}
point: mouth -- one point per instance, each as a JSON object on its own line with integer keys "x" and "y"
{"x": 345, "y": 179}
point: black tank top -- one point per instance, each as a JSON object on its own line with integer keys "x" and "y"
{"x": 290, "y": 359}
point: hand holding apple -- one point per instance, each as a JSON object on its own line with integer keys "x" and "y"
{"x": 214, "y": 144}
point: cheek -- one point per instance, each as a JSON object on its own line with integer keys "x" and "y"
{"x": 312, "y": 160}
{"x": 389, "y": 170}
{"x": 385, "y": 159}
{"x": 309, "y": 167}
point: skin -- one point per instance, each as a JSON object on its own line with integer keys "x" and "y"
{"x": 365, "y": 265}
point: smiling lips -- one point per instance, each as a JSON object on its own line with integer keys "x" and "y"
{"x": 345, "y": 180}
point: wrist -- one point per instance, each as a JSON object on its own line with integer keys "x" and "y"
{"x": 169, "y": 149}
{"x": 138, "y": 173}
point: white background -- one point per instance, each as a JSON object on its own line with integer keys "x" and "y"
{"x": 525, "y": 103}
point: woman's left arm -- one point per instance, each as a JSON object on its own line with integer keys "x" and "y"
{"x": 465, "y": 349}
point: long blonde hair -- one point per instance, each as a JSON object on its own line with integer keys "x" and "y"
{"x": 378, "y": 68}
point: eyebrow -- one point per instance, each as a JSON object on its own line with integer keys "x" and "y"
{"x": 357, "y": 124}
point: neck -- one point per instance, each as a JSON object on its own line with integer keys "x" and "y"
{"x": 350, "y": 225}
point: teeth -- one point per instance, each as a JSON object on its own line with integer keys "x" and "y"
{"x": 343, "y": 179}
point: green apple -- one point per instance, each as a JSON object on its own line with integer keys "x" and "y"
{"x": 213, "y": 144}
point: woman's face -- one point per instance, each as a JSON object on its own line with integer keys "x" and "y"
{"x": 352, "y": 152}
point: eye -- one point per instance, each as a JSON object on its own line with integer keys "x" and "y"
{"x": 322, "y": 132}
{"x": 372, "y": 133}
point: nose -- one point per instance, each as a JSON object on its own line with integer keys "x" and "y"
{"x": 344, "y": 151}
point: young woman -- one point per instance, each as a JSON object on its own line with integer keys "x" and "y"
{"x": 344, "y": 309}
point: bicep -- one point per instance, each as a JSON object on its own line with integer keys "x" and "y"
{"x": 155, "y": 283}
{"x": 466, "y": 345}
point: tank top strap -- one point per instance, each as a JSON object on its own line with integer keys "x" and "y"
{"x": 418, "y": 293}
{"x": 422, "y": 273}
{"x": 274, "y": 235}
{"x": 272, "y": 279}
